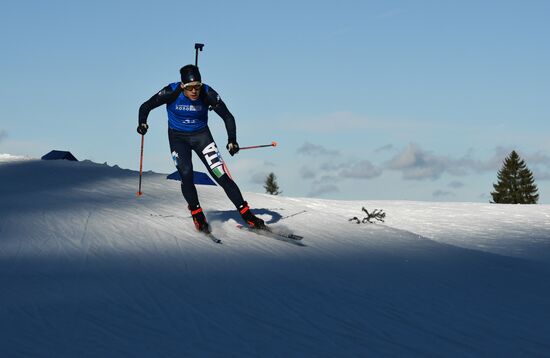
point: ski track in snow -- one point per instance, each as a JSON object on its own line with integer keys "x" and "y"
{"x": 88, "y": 269}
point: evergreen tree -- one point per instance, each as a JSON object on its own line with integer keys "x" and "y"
{"x": 516, "y": 184}
{"x": 271, "y": 186}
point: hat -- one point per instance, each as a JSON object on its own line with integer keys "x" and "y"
{"x": 190, "y": 73}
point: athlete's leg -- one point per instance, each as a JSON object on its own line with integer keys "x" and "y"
{"x": 181, "y": 154}
{"x": 205, "y": 147}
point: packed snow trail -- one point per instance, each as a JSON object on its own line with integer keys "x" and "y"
{"x": 88, "y": 269}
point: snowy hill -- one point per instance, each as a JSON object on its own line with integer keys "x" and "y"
{"x": 87, "y": 269}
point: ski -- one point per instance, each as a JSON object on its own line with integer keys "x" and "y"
{"x": 275, "y": 234}
{"x": 211, "y": 236}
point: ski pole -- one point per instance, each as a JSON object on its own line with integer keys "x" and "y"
{"x": 198, "y": 47}
{"x": 273, "y": 144}
{"x": 139, "y": 193}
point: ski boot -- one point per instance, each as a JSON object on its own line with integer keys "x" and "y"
{"x": 199, "y": 219}
{"x": 252, "y": 220}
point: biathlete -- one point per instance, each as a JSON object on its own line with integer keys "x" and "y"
{"x": 187, "y": 103}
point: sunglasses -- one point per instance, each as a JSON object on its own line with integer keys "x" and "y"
{"x": 191, "y": 87}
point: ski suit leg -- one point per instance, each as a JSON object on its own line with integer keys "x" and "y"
{"x": 208, "y": 152}
{"x": 181, "y": 150}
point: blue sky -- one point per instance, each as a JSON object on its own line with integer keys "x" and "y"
{"x": 412, "y": 100}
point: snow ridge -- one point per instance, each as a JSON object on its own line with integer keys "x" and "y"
{"x": 88, "y": 269}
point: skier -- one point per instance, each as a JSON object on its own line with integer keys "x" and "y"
{"x": 187, "y": 103}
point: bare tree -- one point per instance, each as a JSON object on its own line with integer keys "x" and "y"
{"x": 378, "y": 215}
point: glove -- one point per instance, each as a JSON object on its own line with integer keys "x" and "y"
{"x": 232, "y": 147}
{"x": 142, "y": 128}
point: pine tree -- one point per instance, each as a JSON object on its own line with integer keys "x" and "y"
{"x": 516, "y": 184}
{"x": 271, "y": 186}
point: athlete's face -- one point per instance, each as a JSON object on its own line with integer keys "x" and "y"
{"x": 192, "y": 90}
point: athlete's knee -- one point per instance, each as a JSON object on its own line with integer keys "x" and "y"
{"x": 185, "y": 173}
{"x": 223, "y": 180}
{"x": 226, "y": 182}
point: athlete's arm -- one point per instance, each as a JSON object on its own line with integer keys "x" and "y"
{"x": 165, "y": 96}
{"x": 213, "y": 99}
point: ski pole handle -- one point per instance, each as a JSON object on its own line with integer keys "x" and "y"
{"x": 139, "y": 193}
{"x": 273, "y": 144}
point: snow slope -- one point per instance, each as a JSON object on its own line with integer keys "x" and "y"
{"x": 87, "y": 269}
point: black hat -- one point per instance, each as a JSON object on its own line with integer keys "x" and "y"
{"x": 190, "y": 73}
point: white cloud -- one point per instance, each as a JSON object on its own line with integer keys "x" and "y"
{"x": 321, "y": 189}
{"x": 541, "y": 175}
{"x": 333, "y": 166}
{"x": 535, "y": 161}
{"x": 324, "y": 185}
{"x": 417, "y": 164}
{"x": 411, "y": 157}
{"x": 385, "y": 148}
{"x": 315, "y": 150}
{"x": 259, "y": 178}
{"x": 307, "y": 173}
{"x": 538, "y": 158}
{"x": 413, "y": 163}
{"x": 492, "y": 163}
{"x": 456, "y": 184}
{"x": 442, "y": 193}
{"x": 361, "y": 170}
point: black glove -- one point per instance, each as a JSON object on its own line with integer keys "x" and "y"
{"x": 142, "y": 128}
{"x": 232, "y": 147}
